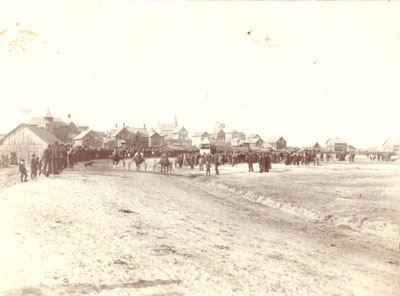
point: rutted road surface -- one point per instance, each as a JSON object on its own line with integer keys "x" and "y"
{"x": 99, "y": 231}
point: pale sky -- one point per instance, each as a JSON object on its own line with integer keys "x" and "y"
{"x": 326, "y": 70}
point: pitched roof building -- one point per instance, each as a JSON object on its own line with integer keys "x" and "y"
{"x": 336, "y": 145}
{"x": 88, "y": 138}
{"x": 26, "y": 139}
{"x": 278, "y": 143}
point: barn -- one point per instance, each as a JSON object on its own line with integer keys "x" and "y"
{"x": 26, "y": 139}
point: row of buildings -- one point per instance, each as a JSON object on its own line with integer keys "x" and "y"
{"x": 37, "y": 133}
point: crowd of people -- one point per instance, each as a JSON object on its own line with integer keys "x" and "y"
{"x": 57, "y": 157}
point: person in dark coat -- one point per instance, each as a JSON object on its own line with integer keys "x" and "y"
{"x": 22, "y": 170}
{"x": 267, "y": 162}
{"x": 55, "y": 158}
{"x": 261, "y": 162}
{"x": 216, "y": 163}
{"x": 250, "y": 161}
{"x": 47, "y": 159}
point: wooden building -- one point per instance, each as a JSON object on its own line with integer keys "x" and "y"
{"x": 26, "y": 139}
{"x": 336, "y": 145}
{"x": 199, "y": 137}
{"x": 217, "y": 136}
{"x": 278, "y": 143}
{"x": 253, "y": 143}
{"x": 392, "y": 145}
{"x": 234, "y": 134}
{"x": 122, "y": 137}
{"x": 54, "y": 125}
{"x": 155, "y": 139}
{"x": 88, "y": 139}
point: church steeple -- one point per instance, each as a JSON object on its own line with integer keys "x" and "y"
{"x": 48, "y": 114}
{"x": 176, "y": 121}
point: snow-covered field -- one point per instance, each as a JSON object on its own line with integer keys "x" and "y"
{"x": 327, "y": 230}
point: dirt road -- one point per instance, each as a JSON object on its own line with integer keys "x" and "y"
{"x": 100, "y": 231}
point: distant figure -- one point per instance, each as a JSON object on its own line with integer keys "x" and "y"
{"x": 22, "y": 170}
{"x": 250, "y": 162}
{"x": 216, "y": 164}
{"x": 208, "y": 168}
{"x": 34, "y": 166}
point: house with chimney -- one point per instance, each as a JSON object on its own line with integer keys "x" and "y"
{"x": 173, "y": 133}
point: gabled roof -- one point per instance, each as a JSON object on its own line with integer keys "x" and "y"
{"x": 391, "y": 142}
{"x": 254, "y": 140}
{"x": 42, "y": 133}
{"x": 118, "y": 131}
{"x": 253, "y": 136}
{"x": 101, "y": 133}
{"x": 166, "y": 127}
{"x": 153, "y": 132}
{"x": 274, "y": 139}
{"x": 336, "y": 141}
{"x": 82, "y": 125}
{"x": 216, "y": 131}
{"x": 39, "y": 121}
{"x": 142, "y": 132}
{"x": 199, "y": 134}
{"x": 84, "y": 134}
{"x": 178, "y": 129}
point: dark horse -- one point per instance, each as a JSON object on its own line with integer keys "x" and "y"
{"x": 138, "y": 159}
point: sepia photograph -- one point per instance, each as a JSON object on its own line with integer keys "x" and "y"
{"x": 199, "y": 148}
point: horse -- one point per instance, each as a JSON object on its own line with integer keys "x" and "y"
{"x": 138, "y": 159}
{"x": 166, "y": 165}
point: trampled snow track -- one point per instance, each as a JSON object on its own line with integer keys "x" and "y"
{"x": 98, "y": 231}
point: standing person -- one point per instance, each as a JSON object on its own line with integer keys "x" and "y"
{"x": 216, "y": 163}
{"x": 55, "y": 158}
{"x": 22, "y": 170}
{"x": 33, "y": 166}
{"x": 250, "y": 161}
{"x": 47, "y": 159}
{"x": 267, "y": 162}
{"x": 208, "y": 167}
{"x": 201, "y": 163}
{"x": 261, "y": 161}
